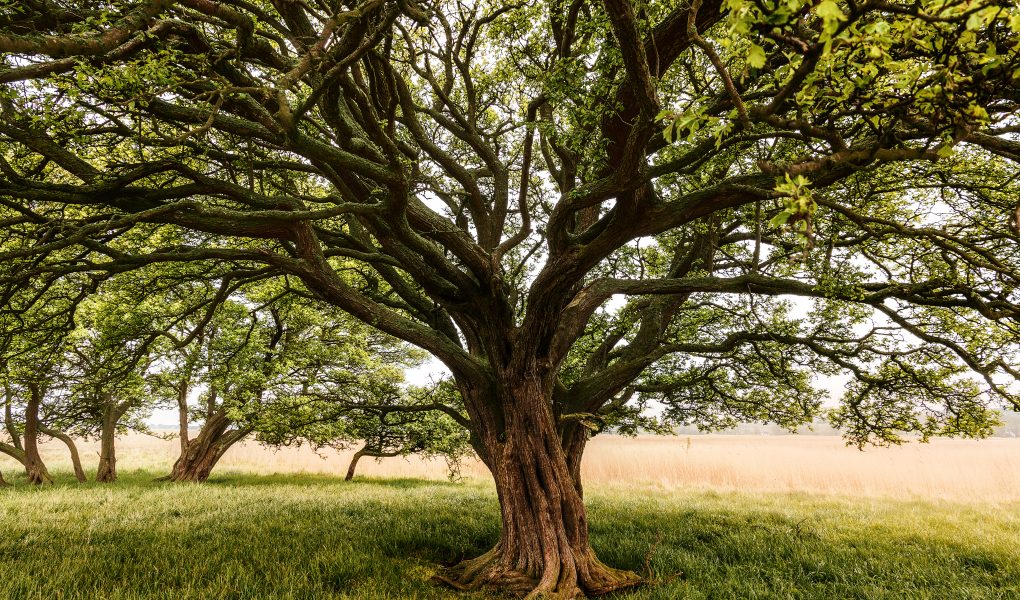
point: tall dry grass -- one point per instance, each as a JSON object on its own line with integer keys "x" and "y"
{"x": 962, "y": 470}
{"x": 958, "y": 470}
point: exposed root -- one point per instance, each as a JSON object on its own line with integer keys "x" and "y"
{"x": 566, "y": 580}
{"x": 38, "y": 476}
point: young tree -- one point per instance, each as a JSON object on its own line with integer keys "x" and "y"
{"x": 481, "y": 179}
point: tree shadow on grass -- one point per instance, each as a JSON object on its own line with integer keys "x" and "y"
{"x": 744, "y": 552}
{"x": 808, "y": 551}
{"x": 137, "y": 479}
{"x": 373, "y": 543}
{"x": 228, "y": 478}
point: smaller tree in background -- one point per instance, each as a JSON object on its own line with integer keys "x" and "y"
{"x": 411, "y": 425}
{"x": 228, "y": 362}
{"x": 12, "y": 429}
{"x": 108, "y": 356}
{"x": 32, "y": 387}
{"x": 31, "y": 371}
{"x": 254, "y": 359}
{"x": 385, "y": 418}
{"x": 31, "y": 417}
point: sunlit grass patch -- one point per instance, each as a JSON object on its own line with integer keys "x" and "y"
{"x": 312, "y": 536}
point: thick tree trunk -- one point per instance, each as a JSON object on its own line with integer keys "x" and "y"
{"x": 79, "y": 472}
{"x": 205, "y": 449}
{"x": 107, "y": 472}
{"x": 543, "y": 548}
{"x": 35, "y": 468}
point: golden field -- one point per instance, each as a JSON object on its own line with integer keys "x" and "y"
{"x": 957, "y": 470}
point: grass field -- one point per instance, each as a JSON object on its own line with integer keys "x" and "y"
{"x": 715, "y": 518}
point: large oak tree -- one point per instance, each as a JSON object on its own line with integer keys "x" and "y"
{"x": 484, "y": 179}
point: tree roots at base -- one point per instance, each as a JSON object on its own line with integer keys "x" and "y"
{"x": 565, "y": 580}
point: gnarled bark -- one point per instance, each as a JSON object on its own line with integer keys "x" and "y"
{"x": 574, "y": 438}
{"x": 543, "y": 548}
{"x": 205, "y": 450}
{"x": 79, "y": 472}
{"x": 35, "y": 468}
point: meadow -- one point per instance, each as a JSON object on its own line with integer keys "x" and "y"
{"x": 945, "y": 469}
{"x": 704, "y": 517}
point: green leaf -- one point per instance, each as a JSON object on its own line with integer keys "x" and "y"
{"x": 831, "y": 15}
{"x": 756, "y": 57}
{"x": 829, "y": 10}
{"x": 781, "y": 218}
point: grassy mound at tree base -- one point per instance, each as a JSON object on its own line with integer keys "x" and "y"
{"x": 303, "y": 536}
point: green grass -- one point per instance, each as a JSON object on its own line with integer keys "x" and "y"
{"x": 302, "y": 536}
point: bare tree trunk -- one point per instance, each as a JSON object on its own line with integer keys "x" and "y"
{"x": 35, "y": 468}
{"x": 107, "y": 472}
{"x": 3, "y": 482}
{"x": 79, "y": 472}
{"x": 12, "y": 429}
{"x": 182, "y": 416}
{"x": 543, "y": 548}
{"x": 366, "y": 451}
{"x": 205, "y": 449}
{"x": 354, "y": 462}
{"x": 112, "y": 414}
